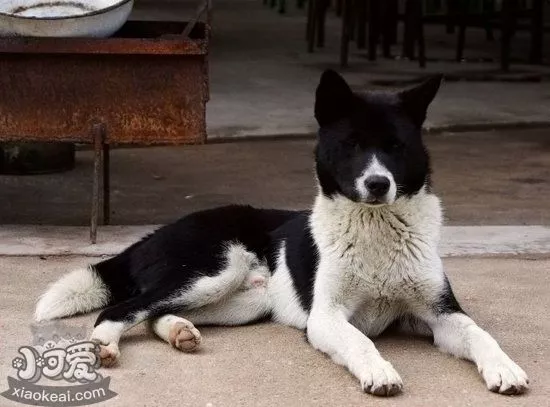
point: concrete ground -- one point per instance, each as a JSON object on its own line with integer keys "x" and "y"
{"x": 263, "y": 80}
{"x": 272, "y": 365}
{"x": 484, "y": 178}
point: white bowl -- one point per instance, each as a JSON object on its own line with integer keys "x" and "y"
{"x": 63, "y": 18}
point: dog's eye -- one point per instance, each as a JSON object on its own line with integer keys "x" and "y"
{"x": 351, "y": 141}
{"x": 395, "y": 146}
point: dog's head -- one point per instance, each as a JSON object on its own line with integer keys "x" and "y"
{"x": 370, "y": 147}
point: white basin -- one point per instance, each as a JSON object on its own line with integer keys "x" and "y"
{"x": 63, "y": 18}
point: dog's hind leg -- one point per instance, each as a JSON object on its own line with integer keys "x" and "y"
{"x": 239, "y": 264}
{"x": 115, "y": 320}
{"x": 178, "y": 332}
{"x": 204, "y": 290}
{"x": 240, "y": 308}
{"x": 248, "y": 304}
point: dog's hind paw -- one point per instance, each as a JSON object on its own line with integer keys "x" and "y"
{"x": 108, "y": 354}
{"x": 185, "y": 337}
{"x": 505, "y": 377}
{"x": 381, "y": 379}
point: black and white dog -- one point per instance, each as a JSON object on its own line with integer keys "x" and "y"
{"x": 364, "y": 258}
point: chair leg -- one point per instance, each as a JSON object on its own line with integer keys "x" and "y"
{"x": 420, "y": 36}
{"x": 282, "y": 6}
{"x": 389, "y": 27}
{"x": 461, "y": 19}
{"x": 374, "y": 28}
{"x": 460, "y": 42}
{"x": 362, "y": 23}
{"x": 409, "y": 31}
{"x": 489, "y": 36}
{"x": 461, "y": 39}
{"x": 339, "y": 7}
{"x": 421, "y": 43}
{"x": 452, "y": 9}
{"x": 352, "y": 22}
{"x": 488, "y": 11}
{"x": 508, "y": 11}
{"x": 311, "y": 25}
{"x": 322, "y": 7}
{"x": 394, "y": 23}
{"x": 345, "y": 38}
{"x": 537, "y": 32}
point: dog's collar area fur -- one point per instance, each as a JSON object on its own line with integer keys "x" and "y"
{"x": 416, "y": 213}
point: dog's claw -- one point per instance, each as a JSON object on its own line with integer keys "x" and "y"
{"x": 505, "y": 377}
{"x": 382, "y": 380}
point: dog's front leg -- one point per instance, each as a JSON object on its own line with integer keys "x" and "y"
{"x": 329, "y": 331}
{"x": 458, "y": 334}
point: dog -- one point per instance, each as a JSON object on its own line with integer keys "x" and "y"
{"x": 364, "y": 258}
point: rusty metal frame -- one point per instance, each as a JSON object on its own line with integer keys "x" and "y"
{"x": 104, "y": 91}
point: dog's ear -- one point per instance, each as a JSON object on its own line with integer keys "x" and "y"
{"x": 417, "y": 99}
{"x": 333, "y": 98}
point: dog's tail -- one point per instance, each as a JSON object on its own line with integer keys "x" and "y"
{"x": 80, "y": 291}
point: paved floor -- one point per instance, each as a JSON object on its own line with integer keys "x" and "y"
{"x": 271, "y": 365}
{"x": 263, "y": 81}
{"x": 489, "y": 178}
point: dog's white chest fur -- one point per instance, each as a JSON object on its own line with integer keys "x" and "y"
{"x": 378, "y": 261}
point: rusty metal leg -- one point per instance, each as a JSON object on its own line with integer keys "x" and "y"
{"x": 97, "y": 136}
{"x": 106, "y": 183}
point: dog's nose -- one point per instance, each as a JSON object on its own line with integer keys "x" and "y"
{"x": 377, "y": 185}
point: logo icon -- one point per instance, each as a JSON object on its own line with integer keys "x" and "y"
{"x": 59, "y": 353}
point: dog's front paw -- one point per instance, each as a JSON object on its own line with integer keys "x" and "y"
{"x": 503, "y": 376}
{"x": 381, "y": 379}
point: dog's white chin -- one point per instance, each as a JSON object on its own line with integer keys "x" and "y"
{"x": 374, "y": 202}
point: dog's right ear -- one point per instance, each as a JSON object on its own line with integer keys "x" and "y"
{"x": 333, "y": 98}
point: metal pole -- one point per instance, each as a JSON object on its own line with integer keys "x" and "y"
{"x": 97, "y": 136}
{"x": 106, "y": 182}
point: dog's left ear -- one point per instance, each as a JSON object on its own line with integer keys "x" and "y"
{"x": 416, "y": 100}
